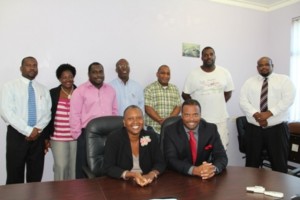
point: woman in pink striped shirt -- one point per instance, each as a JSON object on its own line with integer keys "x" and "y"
{"x": 62, "y": 143}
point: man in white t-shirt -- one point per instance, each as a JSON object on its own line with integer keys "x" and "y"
{"x": 212, "y": 86}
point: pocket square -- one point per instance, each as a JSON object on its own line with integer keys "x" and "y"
{"x": 208, "y": 147}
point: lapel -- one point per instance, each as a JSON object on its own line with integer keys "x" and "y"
{"x": 126, "y": 144}
{"x": 183, "y": 139}
{"x": 56, "y": 95}
{"x": 203, "y": 137}
{"x": 143, "y": 149}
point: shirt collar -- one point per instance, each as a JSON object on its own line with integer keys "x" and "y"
{"x": 90, "y": 85}
{"x": 263, "y": 78}
{"x": 163, "y": 87}
{"x": 121, "y": 82}
{"x": 188, "y": 130}
{"x": 26, "y": 80}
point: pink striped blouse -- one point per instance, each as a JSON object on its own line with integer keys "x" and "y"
{"x": 61, "y": 121}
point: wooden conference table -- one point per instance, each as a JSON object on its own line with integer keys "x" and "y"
{"x": 231, "y": 184}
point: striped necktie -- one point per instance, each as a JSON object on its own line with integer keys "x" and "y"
{"x": 31, "y": 106}
{"x": 264, "y": 96}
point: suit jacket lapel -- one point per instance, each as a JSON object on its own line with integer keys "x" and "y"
{"x": 185, "y": 141}
{"x": 126, "y": 142}
{"x": 143, "y": 149}
{"x": 202, "y": 139}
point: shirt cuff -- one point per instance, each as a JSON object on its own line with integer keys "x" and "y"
{"x": 217, "y": 170}
{"x": 123, "y": 176}
{"x": 190, "y": 172}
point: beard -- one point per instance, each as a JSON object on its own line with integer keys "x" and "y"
{"x": 209, "y": 64}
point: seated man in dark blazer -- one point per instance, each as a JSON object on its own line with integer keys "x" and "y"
{"x": 193, "y": 146}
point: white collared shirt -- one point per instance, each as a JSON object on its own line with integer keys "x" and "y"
{"x": 14, "y": 105}
{"x": 281, "y": 95}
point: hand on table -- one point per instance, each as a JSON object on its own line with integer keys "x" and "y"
{"x": 205, "y": 171}
{"x": 141, "y": 180}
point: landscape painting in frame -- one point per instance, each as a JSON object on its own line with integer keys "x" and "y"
{"x": 191, "y": 50}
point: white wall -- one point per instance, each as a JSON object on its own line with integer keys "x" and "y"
{"x": 147, "y": 33}
{"x": 280, "y": 22}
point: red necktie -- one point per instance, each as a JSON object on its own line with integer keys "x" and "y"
{"x": 193, "y": 146}
{"x": 264, "y": 96}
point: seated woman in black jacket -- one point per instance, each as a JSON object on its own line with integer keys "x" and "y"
{"x": 132, "y": 152}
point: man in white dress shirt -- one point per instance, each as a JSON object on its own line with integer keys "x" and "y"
{"x": 25, "y": 141}
{"x": 267, "y": 126}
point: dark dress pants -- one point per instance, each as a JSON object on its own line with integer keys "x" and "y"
{"x": 274, "y": 139}
{"x": 21, "y": 154}
{"x": 81, "y": 157}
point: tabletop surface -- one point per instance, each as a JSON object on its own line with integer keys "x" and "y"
{"x": 230, "y": 184}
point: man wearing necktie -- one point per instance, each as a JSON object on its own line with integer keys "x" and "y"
{"x": 193, "y": 146}
{"x": 25, "y": 107}
{"x": 265, "y": 99}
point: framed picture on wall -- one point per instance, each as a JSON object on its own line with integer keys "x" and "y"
{"x": 191, "y": 50}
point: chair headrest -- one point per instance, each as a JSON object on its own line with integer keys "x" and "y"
{"x": 170, "y": 120}
{"x": 104, "y": 125}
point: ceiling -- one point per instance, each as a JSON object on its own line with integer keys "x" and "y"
{"x": 262, "y": 5}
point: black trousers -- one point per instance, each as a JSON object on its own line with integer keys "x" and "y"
{"x": 81, "y": 157}
{"x": 274, "y": 139}
{"x": 22, "y": 154}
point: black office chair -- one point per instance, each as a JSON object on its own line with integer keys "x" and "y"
{"x": 166, "y": 123}
{"x": 96, "y": 132}
{"x": 241, "y": 124}
{"x": 294, "y": 155}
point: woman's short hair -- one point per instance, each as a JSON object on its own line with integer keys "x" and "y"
{"x": 65, "y": 67}
{"x": 130, "y": 107}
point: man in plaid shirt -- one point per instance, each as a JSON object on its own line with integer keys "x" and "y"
{"x": 162, "y": 100}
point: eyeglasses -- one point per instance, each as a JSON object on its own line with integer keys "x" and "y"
{"x": 123, "y": 66}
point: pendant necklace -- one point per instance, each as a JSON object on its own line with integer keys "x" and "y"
{"x": 68, "y": 94}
